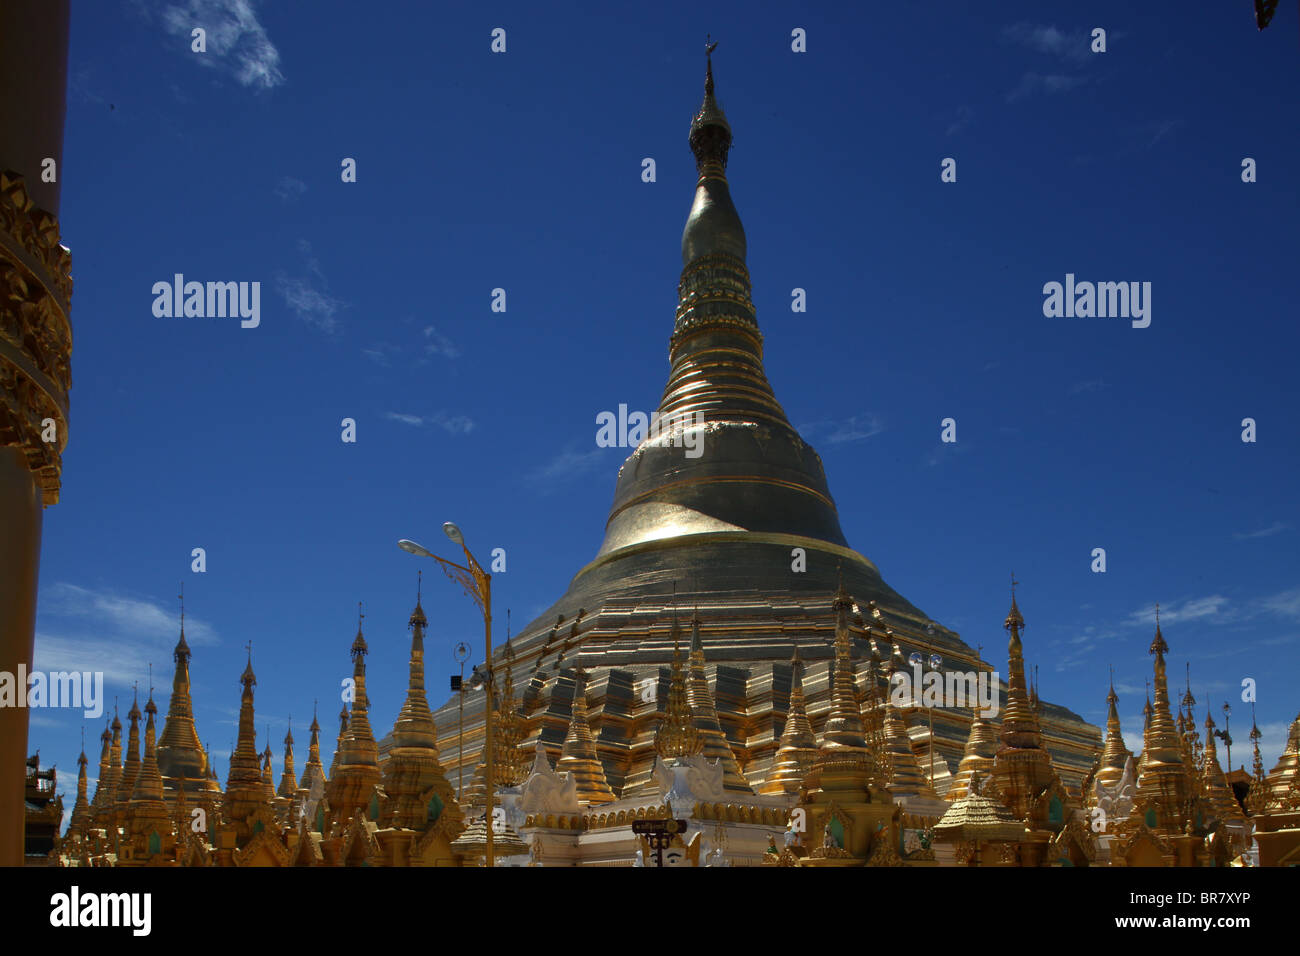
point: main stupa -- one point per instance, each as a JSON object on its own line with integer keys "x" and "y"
{"x": 738, "y": 549}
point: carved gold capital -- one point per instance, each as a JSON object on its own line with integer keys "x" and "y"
{"x": 35, "y": 334}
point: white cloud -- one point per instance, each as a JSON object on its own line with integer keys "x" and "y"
{"x": 567, "y": 464}
{"x": 289, "y": 188}
{"x": 1189, "y": 610}
{"x": 1051, "y": 40}
{"x": 451, "y": 424}
{"x": 438, "y": 344}
{"x": 308, "y": 295}
{"x": 236, "y": 42}
{"x": 1276, "y": 527}
{"x": 1045, "y": 83}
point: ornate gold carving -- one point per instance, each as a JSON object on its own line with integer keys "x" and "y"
{"x": 35, "y": 335}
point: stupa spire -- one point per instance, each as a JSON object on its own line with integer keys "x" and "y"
{"x": 1023, "y": 768}
{"x": 413, "y": 770}
{"x": 352, "y": 780}
{"x": 148, "y": 784}
{"x": 80, "y": 819}
{"x": 181, "y": 759}
{"x": 102, "y": 804}
{"x": 244, "y": 773}
{"x": 677, "y": 735}
{"x": 579, "y": 758}
{"x": 758, "y": 475}
{"x": 131, "y": 769}
{"x": 1115, "y": 753}
{"x": 797, "y": 750}
{"x": 288, "y": 778}
{"x": 843, "y": 729}
{"x": 1163, "y": 782}
{"x": 705, "y": 715}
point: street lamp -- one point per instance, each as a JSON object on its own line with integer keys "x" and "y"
{"x": 477, "y": 584}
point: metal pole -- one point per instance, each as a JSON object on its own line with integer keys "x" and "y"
{"x": 460, "y": 747}
{"x": 487, "y": 723}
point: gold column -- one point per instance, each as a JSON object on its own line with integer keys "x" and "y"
{"x": 35, "y": 343}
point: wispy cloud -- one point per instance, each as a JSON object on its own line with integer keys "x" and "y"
{"x": 116, "y": 613}
{"x": 1046, "y": 83}
{"x": 1093, "y": 386}
{"x": 1192, "y": 609}
{"x": 855, "y": 428}
{"x": 452, "y": 424}
{"x": 290, "y": 188}
{"x": 567, "y": 464}
{"x": 1073, "y": 47}
{"x": 308, "y": 295}
{"x": 435, "y": 343}
{"x": 1285, "y": 603}
{"x": 87, "y": 629}
{"x": 236, "y": 42}
{"x": 1276, "y": 527}
{"x": 965, "y": 115}
{"x": 380, "y": 353}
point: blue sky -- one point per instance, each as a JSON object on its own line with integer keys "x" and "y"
{"x": 522, "y": 171}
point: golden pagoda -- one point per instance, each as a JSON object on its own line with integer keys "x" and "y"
{"x": 248, "y": 834}
{"x": 181, "y": 758}
{"x": 981, "y": 749}
{"x": 798, "y": 747}
{"x": 906, "y": 781}
{"x": 1288, "y": 765}
{"x": 130, "y": 769}
{"x": 750, "y": 522}
{"x": 79, "y": 822}
{"x": 350, "y": 791}
{"x": 311, "y": 788}
{"x": 705, "y": 715}
{"x": 148, "y": 832}
{"x": 578, "y": 757}
{"x": 105, "y": 785}
{"x": 847, "y": 820}
{"x": 419, "y": 816}
{"x": 1115, "y": 755}
{"x": 1023, "y": 774}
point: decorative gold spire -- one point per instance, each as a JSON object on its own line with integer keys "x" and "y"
{"x": 146, "y": 819}
{"x": 1257, "y": 796}
{"x": 1163, "y": 783}
{"x": 905, "y": 778}
{"x": 148, "y": 783}
{"x": 510, "y": 763}
{"x": 338, "y": 743}
{"x": 181, "y": 759}
{"x": 244, "y": 792}
{"x": 579, "y": 758}
{"x": 843, "y": 730}
{"x": 288, "y": 778}
{"x": 677, "y": 735}
{"x": 1222, "y": 804}
{"x": 705, "y": 715}
{"x": 1023, "y": 770}
{"x": 352, "y": 782}
{"x": 131, "y": 769}
{"x": 797, "y": 750}
{"x": 417, "y": 790}
{"x": 978, "y": 758}
{"x": 1287, "y": 768}
{"x": 101, "y": 807}
{"x": 80, "y": 819}
{"x": 1115, "y": 753}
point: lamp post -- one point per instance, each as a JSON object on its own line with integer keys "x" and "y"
{"x": 462, "y": 652}
{"x": 476, "y": 583}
